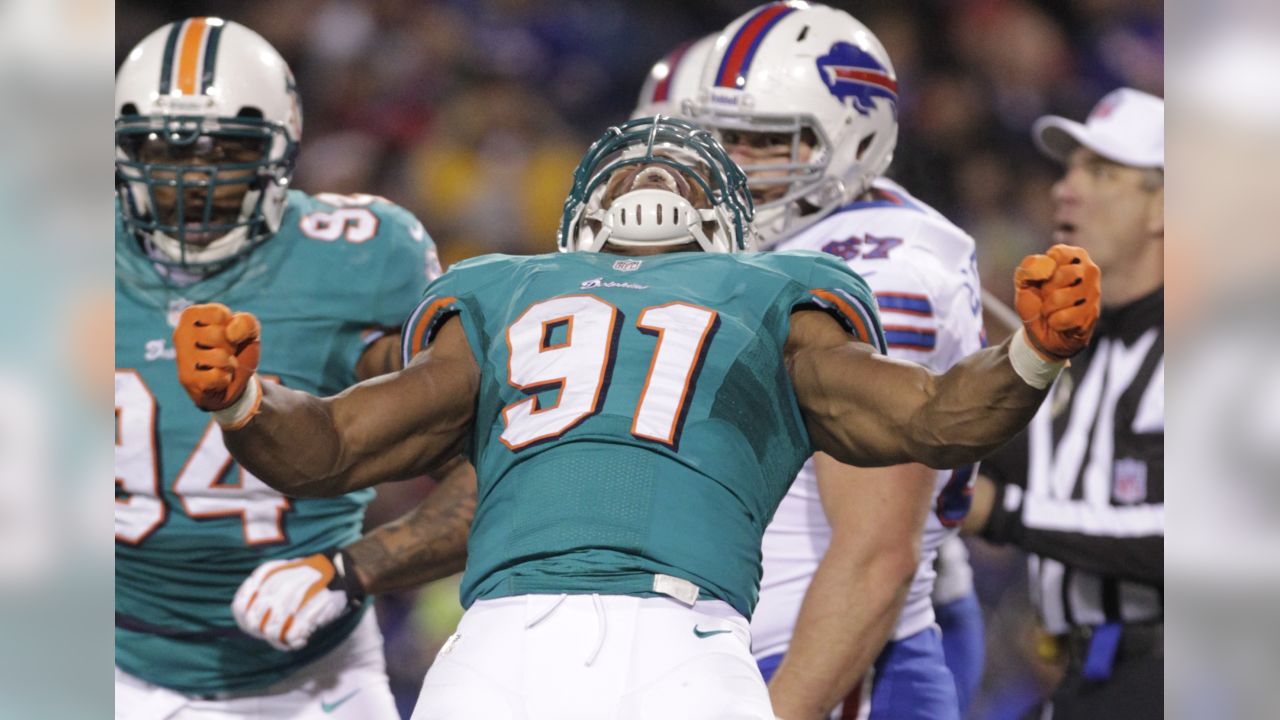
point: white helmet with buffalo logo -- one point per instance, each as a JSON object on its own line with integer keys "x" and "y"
{"x": 207, "y": 129}
{"x": 818, "y": 75}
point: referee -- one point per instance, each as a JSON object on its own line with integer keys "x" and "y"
{"x": 1081, "y": 490}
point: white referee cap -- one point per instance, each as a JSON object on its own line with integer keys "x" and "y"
{"x": 1126, "y": 126}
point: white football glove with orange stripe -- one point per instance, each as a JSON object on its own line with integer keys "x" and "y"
{"x": 285, "y": 601}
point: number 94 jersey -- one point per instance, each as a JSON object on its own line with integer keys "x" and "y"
{"x": 190, "y": 524}
{"x": 635, "y": 417}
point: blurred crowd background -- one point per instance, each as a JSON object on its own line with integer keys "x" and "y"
{"x": 473, "y": 114}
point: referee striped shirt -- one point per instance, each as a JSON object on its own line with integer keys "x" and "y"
{"x": 1082, "y": 488}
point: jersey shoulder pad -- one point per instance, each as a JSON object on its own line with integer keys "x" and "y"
{"x": 828, "y": 283}
{"x": 483, "y": 268}
{"x": 909, "y": 313}
{"x": 801, "y": 265}
{"x": 891, "y": 193}
{"x": 356, "y": 220}
{"x": 929, "y": 301}
{"x": 936, "y": 232}
{"x": 455, "y": 292}
{"x": 374, "y": 253}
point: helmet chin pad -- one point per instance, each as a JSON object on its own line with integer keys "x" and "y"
{"x": 651, "y": 216}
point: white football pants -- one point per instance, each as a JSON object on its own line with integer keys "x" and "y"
{"x": 349, "y": 683}
{"x": 595, "y": 657}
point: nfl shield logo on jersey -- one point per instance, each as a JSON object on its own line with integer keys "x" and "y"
{"x": 1130, "y": 482}
{"x": 626, "y": 265}
{"x": 176, "y": 306}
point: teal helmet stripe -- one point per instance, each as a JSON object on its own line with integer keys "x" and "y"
{"x": 170, "y": 48}
{"x": 210, "y": 55}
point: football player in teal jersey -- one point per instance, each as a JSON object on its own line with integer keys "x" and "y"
{"x": 635, "y": 408}
{"x": 207, "y": 131}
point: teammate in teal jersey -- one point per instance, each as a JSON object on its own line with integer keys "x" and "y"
{"x": 635, "y": 411}
{"x": 207, "y": 131}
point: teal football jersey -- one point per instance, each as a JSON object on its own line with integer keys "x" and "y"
{"x": 635, "y": 416}
{"x": 190, "y": 524}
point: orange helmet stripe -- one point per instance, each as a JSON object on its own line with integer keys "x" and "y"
{"x": 189, "y": 54}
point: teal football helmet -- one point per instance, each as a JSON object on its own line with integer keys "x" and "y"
{"x": 657, "y": 181}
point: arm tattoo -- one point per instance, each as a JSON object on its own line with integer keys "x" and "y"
{"x": 428, "y": 543}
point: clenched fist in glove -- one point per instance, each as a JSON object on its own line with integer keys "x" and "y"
{"x": 285, "y": 601}
{"x": 1058, "y": 296}
{"x": 217, "y": 354}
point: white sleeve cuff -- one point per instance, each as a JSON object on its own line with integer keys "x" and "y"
{"x": 238, "y": 414}
{"x": 1030, "y": 365}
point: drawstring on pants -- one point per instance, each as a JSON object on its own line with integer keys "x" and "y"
{"x": 601, "y": 624}
{"x": 546, "y": 613}
{"x": 601, "y": 627}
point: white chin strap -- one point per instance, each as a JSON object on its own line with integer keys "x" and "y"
{"x": 234, "y": 240}
{"x": 656, "y": 218}
{"x": 220, "y": 249}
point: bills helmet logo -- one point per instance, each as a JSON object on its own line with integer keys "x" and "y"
{"x": 852, "y": 73}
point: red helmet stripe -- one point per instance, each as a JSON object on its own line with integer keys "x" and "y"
{"x": 741, "y": 50}
{"x": 673, "y": 58}
{"x": 868, "y": 76}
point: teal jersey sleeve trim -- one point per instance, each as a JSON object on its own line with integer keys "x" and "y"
{"x": 426, "y": 318}
{"x": 830, "y": 285}
{"x": 456, "y": 292}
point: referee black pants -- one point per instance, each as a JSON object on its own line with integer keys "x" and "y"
{"x": 1135, "y": 691}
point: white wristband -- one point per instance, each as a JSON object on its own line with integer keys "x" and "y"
{"x": 1030, "y": 365}
{"x": 238, "y": 413}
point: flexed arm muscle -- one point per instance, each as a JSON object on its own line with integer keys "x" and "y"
{"x": 870, "y": 410}
{"x": 391, "y": 427}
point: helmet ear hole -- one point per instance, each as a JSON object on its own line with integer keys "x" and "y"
{"x": 128, "y": 109}
{"x": 250, "y": 112}
{"x": 866, "y": 143}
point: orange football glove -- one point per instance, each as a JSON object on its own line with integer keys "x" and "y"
{"x": 217, "y": 353}
{"x": 1058, "y": 297}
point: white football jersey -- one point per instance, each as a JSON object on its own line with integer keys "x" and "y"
{"x": 923, "y": 270}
